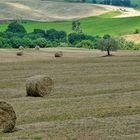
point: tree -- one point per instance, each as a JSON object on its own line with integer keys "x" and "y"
{"x": 27, "y": 42}
{"x": 94, "y": 1}
{"x": 2, "y": 42}
{"x": 62, "y": 36}
{"x": 106, "y": 36}
{"x": 54, "y": 35}
{"x": 16, "y": 42}
{"x": 51, "y": 35}
{"x": 126, "y": 3}
{"x": 39, "y": 32}
{"x": 15, "y": 27}
{"x": 108, "y": 44}
{"x": 85, "y": 44}
{"x": 107, "y": 2}
{"x": 76, "y": 26}
{"x": 116, "y": 2}
{"x": 41, "y": 42}
{"x": 74, "y": 38}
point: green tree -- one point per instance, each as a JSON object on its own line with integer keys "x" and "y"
{"x": 27, "y": 42}
{"x": 16, "y": 42}
{"x": 15, "y": 27}
{"x": 2, "y": 42}
{"x": 85, "y": 44}
{"x": 109, "y": 44}
{"x": 41, "y": 42}
{"x": 74, "y": 38}
{"x": 54, "y": 35}
{"x": 76, "y": 26}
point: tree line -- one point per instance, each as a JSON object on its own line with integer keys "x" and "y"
{"x": 108, "y": 2}
{"x": 16, "y": 36}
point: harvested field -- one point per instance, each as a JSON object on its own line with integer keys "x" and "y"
{"x": 47, "y": 10}
{"x": 94, "y": 97}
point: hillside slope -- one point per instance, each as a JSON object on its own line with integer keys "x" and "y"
{"x": 98, "y": 25}
{"x": 45, "y": 10}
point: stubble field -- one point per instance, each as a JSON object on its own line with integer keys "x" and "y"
{"x": 94, "y": 97}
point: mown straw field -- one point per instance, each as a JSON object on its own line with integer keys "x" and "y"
{"x": 94, "y": 97}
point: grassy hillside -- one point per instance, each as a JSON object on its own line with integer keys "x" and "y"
{"x": 93, "y": 98}
{"x": 93, "y": 25}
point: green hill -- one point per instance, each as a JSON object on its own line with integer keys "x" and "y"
{"x": 92, "y": 25}
{"x": 98, "y": 25}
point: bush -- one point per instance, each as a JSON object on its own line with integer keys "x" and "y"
{"x": 16, "y": 42}
{"x": 41, "y": 42}
{"x": 63, "y": 44}
{"x": 136, "y": 47}
{"x": 74, "y": 38}
{"x": 54, "y": 35}
{"x": 27, "y": 42}
{"x": 85, "y": 44}
{"x": 125, "y": 45}
{"x": 137, "y": 31}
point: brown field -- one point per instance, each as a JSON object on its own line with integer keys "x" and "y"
{"x": 48, "y": 10}
{"x": 95, "y": 97}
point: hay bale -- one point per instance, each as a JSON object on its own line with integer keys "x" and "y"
{"x": 39, "y": 86}
{"x": 7, "y": 117}
{"x": 21, "y": 48}
{"x": 20, "y": 53}
{"x": 37, "y": 48}
{"x": 59, "y": 54}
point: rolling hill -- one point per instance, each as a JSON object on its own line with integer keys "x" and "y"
{"x": 98, "y": 22}
{"x": 98, "y": 25}
{"x": 44, "y": 10}
{"x": 47, "y": 10}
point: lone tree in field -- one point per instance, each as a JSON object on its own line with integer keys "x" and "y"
{"x": 107, "y": 43}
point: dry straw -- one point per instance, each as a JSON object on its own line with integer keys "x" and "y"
{"x": 19, "y": 53}
{"x": 37, "y": 48}
{"x": 58, "y": 54}
{"x": 21, "y": 48}
{"x": 7, "y": 117}
{"x": 39, "y": 86}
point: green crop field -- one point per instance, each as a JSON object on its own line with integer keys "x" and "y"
{"x": 98, "y": 25}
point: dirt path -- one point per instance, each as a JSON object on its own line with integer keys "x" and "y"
{"x": 125, "y": 11}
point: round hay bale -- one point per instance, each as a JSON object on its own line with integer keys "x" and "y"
{"x": 59, "y": 54}
{"x": 7, "y": 117}
{"x": 20, "y": 53}
{"x": 37, "y": 48}
{"x": 21, "y": 48}
{"x": 39, "y": 86}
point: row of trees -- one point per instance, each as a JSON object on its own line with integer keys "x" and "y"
{"x": 16, "y": 36}
{"x": 109, "y": 2}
